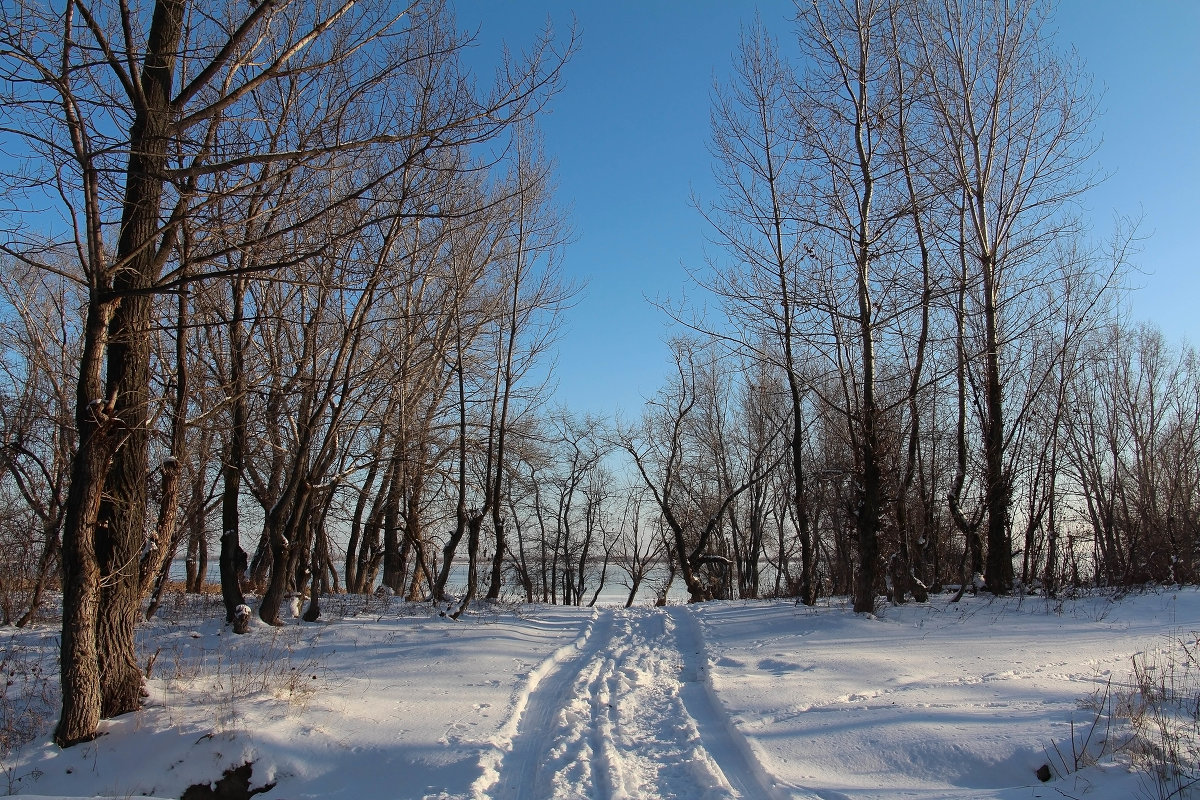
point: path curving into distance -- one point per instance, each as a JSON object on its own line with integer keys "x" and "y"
{"x": 629, "y": 714}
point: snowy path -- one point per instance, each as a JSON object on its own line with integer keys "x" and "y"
{"x": 724, "y": 701}
{"x": 630, "y": 715}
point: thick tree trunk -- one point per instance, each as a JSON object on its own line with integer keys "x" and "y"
{"x": 1050, "y": 576}
{"x": 120, "y": 530}
{"x": 448, "y": 552}
{"x": 393, "y": 561}
{"x": 696, "y": 593}
{"x": 196, "y": 560}
{"x": 78, "y": 659}
{"x": 474, "y": 528}
{"x": 268, "y": 610}
{"x": 120, "y": 526}
{"x": 868, "y": 518}
{"x": 496, "y": 580}
{"x": 871, "y": 492}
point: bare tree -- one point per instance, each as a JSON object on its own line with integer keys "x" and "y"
{"x": 529, "y": 318}
{"x": 37, "y": 436}
{"x": 759, "y": 157}
{"x": 639, "y": 550}
{"x": 847, "y": 98}
{"x": 674, "y": 461}
{"x": 1013, "y": 120}
{"x": 824, "y": 211}
{"x": 1132, "y": 429}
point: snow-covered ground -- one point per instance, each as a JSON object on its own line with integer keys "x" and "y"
{"x": 724, "y": 700}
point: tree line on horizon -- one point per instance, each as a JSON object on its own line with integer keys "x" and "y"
{"x": 281, "y": 284}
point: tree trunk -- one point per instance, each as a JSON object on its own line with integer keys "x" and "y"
{"x": 78, "y": 660}
{"x": 156, "y": 558}
{"x": 233, "y": 558}
{"x": 414, "y": 531}
{"x": 356, "y": 527}
{"x": 871, "y": 496}
{"x": 474, "y": 528}
{"x": 998, "y": 495}
{"x": 120, "y": 529}
{"x": 393, "y": 561}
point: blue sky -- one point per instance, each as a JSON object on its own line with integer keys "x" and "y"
{"x": 630, "y": 132}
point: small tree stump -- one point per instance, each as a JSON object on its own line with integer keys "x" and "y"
{"x": 241, "y": 619}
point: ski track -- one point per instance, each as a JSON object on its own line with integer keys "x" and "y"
{"x": 631, "y": 714}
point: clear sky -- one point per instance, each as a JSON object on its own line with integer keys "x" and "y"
{"x": 630, "y": 133}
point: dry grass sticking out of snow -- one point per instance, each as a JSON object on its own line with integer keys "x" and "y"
{"x": 29, "y": 696}
{"x": 1149, "y": 719}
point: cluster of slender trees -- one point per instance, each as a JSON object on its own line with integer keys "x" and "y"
{"x": 898, "y": 248}
{"x": 280, "y": 284}
{"x": 934, "y": 386}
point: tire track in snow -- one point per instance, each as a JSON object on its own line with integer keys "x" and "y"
{"x": 629, "y": 715}
{"x": 737, "y": 761}
{"x": 520, "y": 771}
{"x": 658, "y": 744}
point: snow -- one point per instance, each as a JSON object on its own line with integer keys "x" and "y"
{"x": 383, "y": 699}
